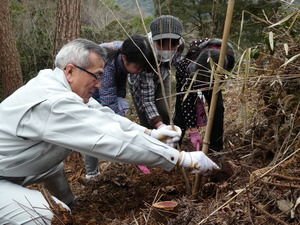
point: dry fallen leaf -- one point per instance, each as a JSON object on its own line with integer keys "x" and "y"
{"x": 297, "y": 203}
{"x": 285, "y": 206}
{"x": 168, "y": 205}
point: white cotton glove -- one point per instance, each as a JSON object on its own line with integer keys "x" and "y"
{"x": 198, "y": 161}
{"x": 166, "y": 134}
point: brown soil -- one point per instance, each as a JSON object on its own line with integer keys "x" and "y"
{"x": 122, "y": 194}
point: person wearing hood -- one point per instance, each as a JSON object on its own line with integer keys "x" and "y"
{"x": 193, "y": 74}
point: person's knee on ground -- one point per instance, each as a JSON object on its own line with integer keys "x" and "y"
{"x": 20, "y": 205}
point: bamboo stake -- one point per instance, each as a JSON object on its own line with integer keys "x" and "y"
{"x": 213, "y": 104}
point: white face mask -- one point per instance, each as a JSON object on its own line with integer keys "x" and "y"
{"x": 164, "y": 55}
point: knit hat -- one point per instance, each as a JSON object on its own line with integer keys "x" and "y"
{"x": 166, "y": 27}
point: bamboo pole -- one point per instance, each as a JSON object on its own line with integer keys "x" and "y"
{"x": 214, "y": 99}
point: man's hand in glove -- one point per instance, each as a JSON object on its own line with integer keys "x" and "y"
{"x": 198, "y": 161}
{"x": 196, "y": 139}
{"x": 166, "y": 134}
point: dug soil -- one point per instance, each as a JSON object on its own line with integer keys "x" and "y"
{"x": 249, "y": 189}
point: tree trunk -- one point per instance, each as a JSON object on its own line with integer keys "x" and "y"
{"x": 68, "y": 22}
{"x": 10, "y": 67}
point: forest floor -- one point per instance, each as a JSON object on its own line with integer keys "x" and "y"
{"x": 238, "y": 194}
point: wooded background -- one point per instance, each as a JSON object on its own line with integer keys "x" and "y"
{"x": 262, "y": 99}
{"x": 32, "y": 31}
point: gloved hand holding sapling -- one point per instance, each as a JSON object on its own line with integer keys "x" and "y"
{"x": 198, "y": 161}
{"x": 166, "y": 134}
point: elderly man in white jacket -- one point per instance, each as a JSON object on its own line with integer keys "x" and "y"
{"x": 53, "y": 113}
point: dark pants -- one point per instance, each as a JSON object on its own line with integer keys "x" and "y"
{"x": 216, "y": 138}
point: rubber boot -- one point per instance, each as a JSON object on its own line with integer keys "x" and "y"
{"x": 91, "y": 165}
{"x": 59, "y": 187}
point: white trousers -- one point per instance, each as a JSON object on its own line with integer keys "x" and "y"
{"x": 20, "y": 205}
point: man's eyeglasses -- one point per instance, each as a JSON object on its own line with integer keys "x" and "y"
{"x": 96, "y": 76}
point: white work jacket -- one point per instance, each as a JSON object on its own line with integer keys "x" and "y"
{"x": 44, "y": 120}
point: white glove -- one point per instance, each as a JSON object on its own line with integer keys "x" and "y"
{"x": 166, "y": 134}
{"x": 198, "y": 161}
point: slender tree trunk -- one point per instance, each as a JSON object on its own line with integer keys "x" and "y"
{"x": 10, "y": 67}
{"x": 68, "y": 23}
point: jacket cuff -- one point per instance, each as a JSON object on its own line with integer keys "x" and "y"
{"x": 155, "y": 120}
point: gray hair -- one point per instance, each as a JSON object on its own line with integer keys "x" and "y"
{"x": 77, "y": 52}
